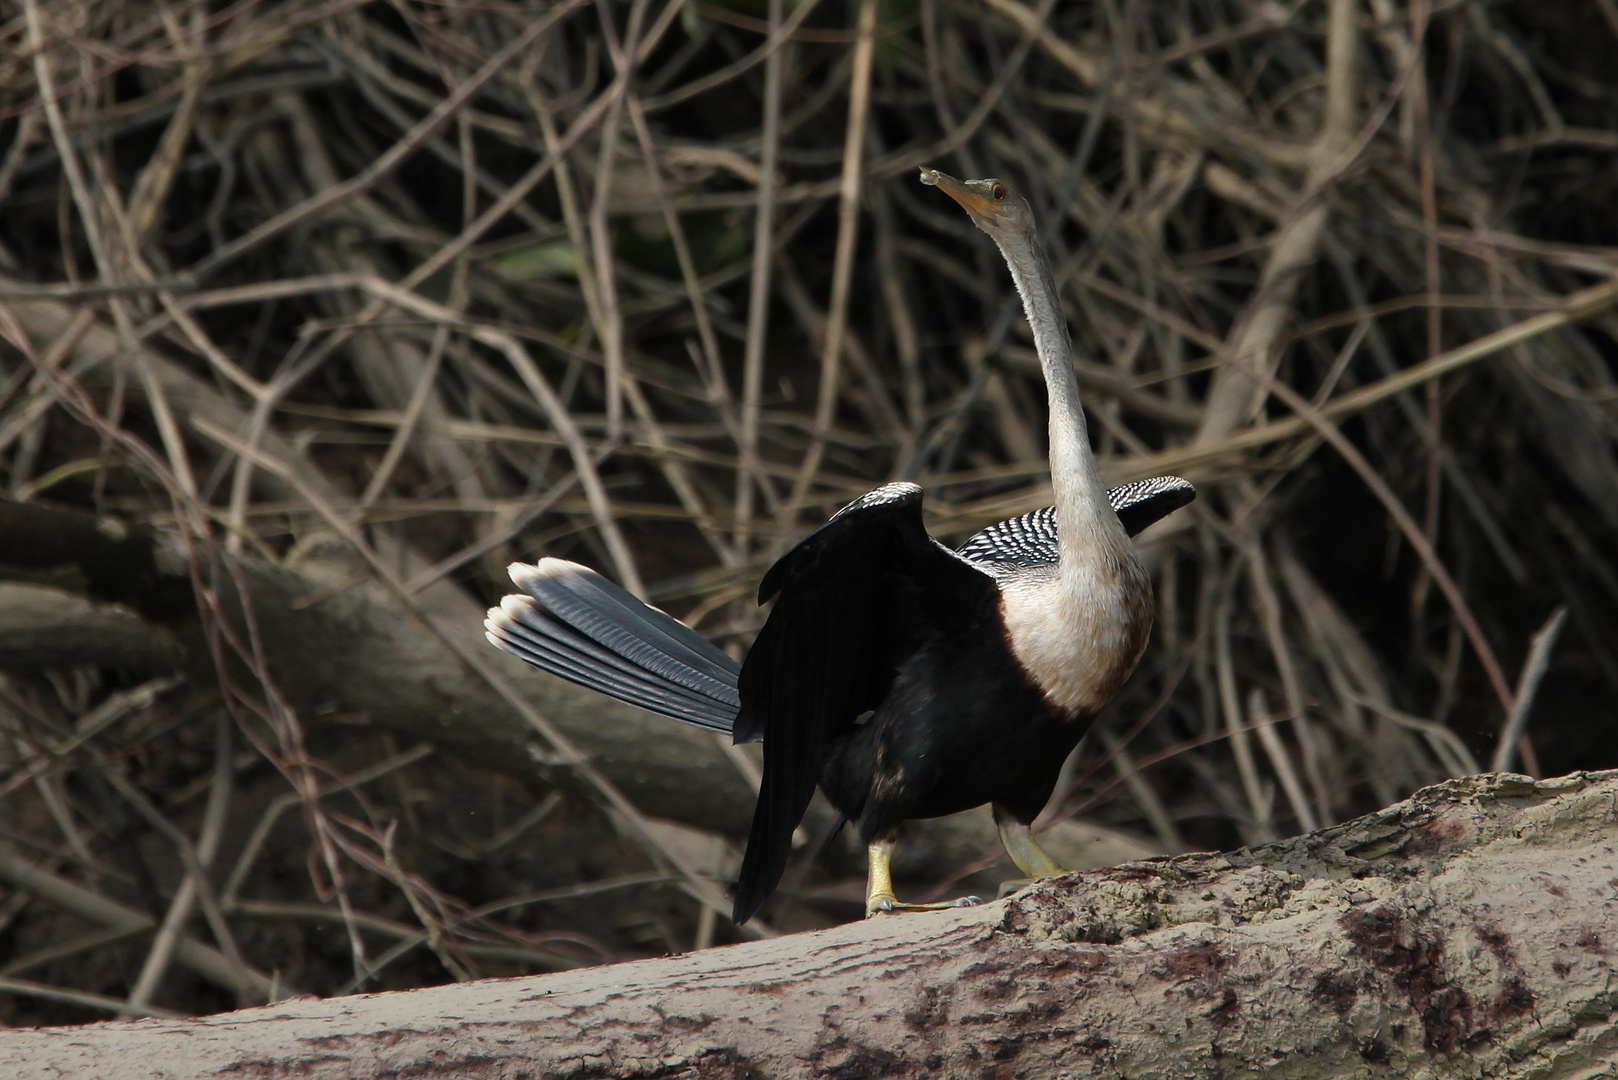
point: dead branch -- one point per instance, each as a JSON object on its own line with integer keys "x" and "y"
{"x": 337, "y": 308}
{"x": 339, "y": 643}
{"x": 344, "y": 650}
{"x": 1466, "y": 931}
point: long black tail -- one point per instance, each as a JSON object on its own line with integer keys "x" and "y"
{"x": 575, "y": 623}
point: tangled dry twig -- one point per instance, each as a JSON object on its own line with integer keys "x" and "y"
{"x": 648, "y": 284}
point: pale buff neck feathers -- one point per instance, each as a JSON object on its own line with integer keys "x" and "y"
{"x": 1079, "y": 633}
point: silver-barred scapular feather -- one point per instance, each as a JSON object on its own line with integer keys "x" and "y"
{"x": 1029, "y": 541}
{"x": 901, "y": 678}
{"x": 575, "y": 623}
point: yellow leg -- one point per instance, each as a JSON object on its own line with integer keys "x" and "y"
{"x": 879, "y": 898}
{"x": 1025, "y": 851}
{"x": 879, "y": 879}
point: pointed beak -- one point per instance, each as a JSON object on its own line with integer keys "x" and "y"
{"x": 972, "y": 202}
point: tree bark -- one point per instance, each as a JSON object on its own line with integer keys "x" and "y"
{"x": 1465, "y": 932}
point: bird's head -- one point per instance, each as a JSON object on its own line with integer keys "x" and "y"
{"x": 991, "y": 204}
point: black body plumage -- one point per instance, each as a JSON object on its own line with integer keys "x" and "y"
{"x": 883, "y": 674}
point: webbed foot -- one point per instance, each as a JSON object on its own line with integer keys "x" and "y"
{"x": 879, "y": 898}
{"x": 888, "y": 904}
{"x": 1016, "y": 885}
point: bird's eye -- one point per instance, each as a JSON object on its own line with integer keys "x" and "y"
{"x": 999, "y": 193}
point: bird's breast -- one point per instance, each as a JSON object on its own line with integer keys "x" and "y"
{"x": 1077, "y": 635}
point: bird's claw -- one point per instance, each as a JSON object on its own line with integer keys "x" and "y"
{"x": 1014, "y": 886}
{"x": 890, "y": 905}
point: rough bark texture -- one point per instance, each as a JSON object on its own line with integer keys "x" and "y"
{"x": 45, "y": 627}
{"x": 1466, "y": 932}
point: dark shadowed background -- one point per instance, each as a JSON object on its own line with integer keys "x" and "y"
{"x": 331, "y": 303}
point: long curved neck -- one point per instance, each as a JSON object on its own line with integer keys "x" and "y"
{"x": 1087, "y": 528}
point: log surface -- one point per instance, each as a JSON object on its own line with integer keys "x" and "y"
{"x": 1465, "y": 932}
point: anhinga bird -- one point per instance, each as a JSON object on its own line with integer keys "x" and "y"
{"x": 905, "y": 679}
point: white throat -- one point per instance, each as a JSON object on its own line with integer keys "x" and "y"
{"x": 1080, "y": 630}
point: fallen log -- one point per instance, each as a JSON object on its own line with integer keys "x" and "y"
{"x": 342, "y": 648}
{"x": 1465, "y": 932}
{"x": 337, "y": 643}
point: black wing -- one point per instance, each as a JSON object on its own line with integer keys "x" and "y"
{"x": 846, "y": 612}
{"x": 1146, "y": 502}
{"x": 1030, "y": 539}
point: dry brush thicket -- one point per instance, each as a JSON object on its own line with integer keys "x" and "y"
{"x": 338, "y": 307}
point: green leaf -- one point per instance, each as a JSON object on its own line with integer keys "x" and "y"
{"x": 552, "y": 259}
